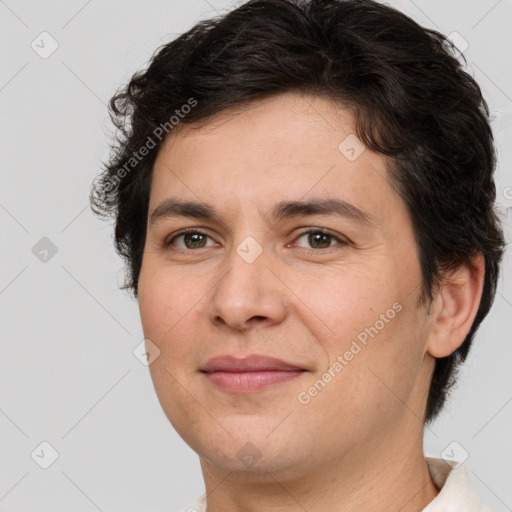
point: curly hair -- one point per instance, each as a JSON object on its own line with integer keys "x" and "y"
{"x": 408, "y": 93}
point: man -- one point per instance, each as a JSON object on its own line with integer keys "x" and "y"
{"x": 303, "y": 192}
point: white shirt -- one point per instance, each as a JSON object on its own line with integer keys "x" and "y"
{"x": 456, "y": 494}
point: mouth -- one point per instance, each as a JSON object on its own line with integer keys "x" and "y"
{"x": 249, "y": 374}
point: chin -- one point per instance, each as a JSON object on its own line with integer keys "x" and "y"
{"x": 246, "y": 448}
{"x": 258, "y": 462}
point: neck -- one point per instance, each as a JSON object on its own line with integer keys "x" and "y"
{"x": 395, "y": 479}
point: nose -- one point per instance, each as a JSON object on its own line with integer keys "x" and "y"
{"x": 249, "y": 294}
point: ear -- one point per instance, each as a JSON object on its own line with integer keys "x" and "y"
{"x": 455, "y": 307}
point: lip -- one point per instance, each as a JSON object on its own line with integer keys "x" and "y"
{"x": 250, "y": 363}
{"x": 249, "y": 374}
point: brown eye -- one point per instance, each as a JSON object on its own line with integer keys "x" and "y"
{"x": 320, "y": 239}
{"x": 190, "y": 240}
{"x": 194, "y": 240}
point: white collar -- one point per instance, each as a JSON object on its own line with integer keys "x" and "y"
{"x": 456, "y": 489}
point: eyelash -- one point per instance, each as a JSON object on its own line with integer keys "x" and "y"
{"x": 340, "y": 241}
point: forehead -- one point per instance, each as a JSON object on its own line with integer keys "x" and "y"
{"x": 287, "y": 147}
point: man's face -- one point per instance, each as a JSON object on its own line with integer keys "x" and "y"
{"x": 250, "y": 283}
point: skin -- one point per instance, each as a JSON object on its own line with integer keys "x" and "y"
{"x": 357, "y": 444}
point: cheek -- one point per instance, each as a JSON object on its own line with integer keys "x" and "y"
{"x": 166, "y": 301}
{"x": 373, "y": 372}
{"x": 165, "y": 311}
{"x": 367, "y": 321}
{"x": 345, "y": 300}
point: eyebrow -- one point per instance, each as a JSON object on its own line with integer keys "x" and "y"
{"x": 284, "y": 210}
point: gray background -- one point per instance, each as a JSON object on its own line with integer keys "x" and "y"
{"x": 68, "y": 374}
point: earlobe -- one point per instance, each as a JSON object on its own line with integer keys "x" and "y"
{"x": 455, "y": 307}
